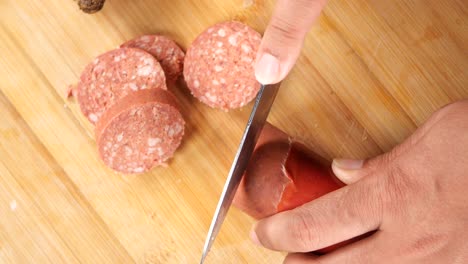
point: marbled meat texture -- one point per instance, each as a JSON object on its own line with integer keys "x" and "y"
{"x": 165, "y": 50}
{"x": 141, "y": 131}
{"x": 219, "y": 65}
{"x": 113, "y": 75}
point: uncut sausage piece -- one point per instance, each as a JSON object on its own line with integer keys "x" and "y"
{"x": 113, "y": 75}
{"x": 165, "y": 50}
{"x": 140, "y": 131}
{"x": 219, "y": 65}
{"x": 282, "y": 175}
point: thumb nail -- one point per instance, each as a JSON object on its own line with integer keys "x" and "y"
{"x": 254, "y": 237}
{"x": 347, "y": 170}
{"x": 267, "y": 69}
{"x": 348, "y": 164}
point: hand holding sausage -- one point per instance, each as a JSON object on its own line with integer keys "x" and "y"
{"x": 283, "y": 38}
{"x": 414, "y": 196}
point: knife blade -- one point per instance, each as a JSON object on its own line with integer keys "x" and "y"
{"x": 261, "y": 109}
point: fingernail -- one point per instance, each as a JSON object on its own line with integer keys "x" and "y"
{"x": 267, "y": 69}
{"x": 348, "y": 164}
{"x": 253, "y": 236}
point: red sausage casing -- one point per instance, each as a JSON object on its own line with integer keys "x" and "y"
{"x": 282, "y": 175}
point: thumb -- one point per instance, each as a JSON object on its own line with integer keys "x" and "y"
{"x": 348, "y": 170}
{"x": 283, "y": 38}
{"x": 351, "y": 170}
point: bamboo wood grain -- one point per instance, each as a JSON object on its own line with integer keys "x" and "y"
{"x": 370, "y": 73}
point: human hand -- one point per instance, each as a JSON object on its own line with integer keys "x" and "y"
{"x": 415, "y": 196}
{"x": 283, "y": 38}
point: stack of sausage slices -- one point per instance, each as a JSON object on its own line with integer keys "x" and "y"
{"x": 123, "y": 92}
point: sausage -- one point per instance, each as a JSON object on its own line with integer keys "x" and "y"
{"x": 219, "y": 65}
{"x": 113, "y": 75}
{"x": 282, "y": 175}
{"x": 140, "y": 131}
{"x": 165, "y": 50}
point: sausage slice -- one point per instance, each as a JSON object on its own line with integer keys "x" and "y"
{"x": 113, "y": 75}
{"x": 140, "y": 131}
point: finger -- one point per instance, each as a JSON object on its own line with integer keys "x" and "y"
{"x": 347, "y": 170}
{"x": 299, "y": 258}
{"x": 283, "y": 38}
{"x": 363, "y": 251}
{"x": 335, "y": 217}
{"x": 368, "y": 250}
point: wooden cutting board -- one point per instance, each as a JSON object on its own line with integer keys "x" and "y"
{"x": 370, "y": 73}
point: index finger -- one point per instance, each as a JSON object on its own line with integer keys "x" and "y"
{"x": 282, "y": 41}
{"x": 338, "y": 216}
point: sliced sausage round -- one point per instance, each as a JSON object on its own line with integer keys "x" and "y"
{"x": 113, "y": 75}
{"x": 140, "y": 131}
{"x": 219, "y": 65}
{"x": 165, "y": 50}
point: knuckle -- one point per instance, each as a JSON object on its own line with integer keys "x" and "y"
{"x": 384, "y": 160}
{"x": 302, "y": 231}
{"x": 354, "y": 208}
{"x": 347, "y": 206}
{"x": 399, "y": 189}
{"x": 354, "y": 204}
{"x": 396, "y": 183}
{"x": 286, "y": 31}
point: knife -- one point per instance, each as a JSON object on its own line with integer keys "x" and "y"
{"x": 263, "y": 102}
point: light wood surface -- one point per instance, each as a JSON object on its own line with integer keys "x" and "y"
{"x": 370, "y": 73}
